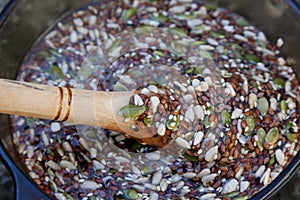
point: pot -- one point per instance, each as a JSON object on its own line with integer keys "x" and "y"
{"x": 24, "y": 21}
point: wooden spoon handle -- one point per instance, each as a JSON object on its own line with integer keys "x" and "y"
{"x": 33, "y": 100}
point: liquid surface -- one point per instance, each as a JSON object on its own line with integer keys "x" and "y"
{"x": 235, "y": 130}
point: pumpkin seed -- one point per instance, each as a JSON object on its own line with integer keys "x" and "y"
{"x": 261, "y": 134}
{"x": 190, "y": 158}
{"x": 252, "y": 58}
{"x": 283, "y": 106}
{"x": 272, "y": 136}
{"x": 251, "y": 123}
{"x": 148, "y": 121}
{"x": 56, "y": 72}
{"x": 131, "y": 194}
{"x": 119, "y": 87}
{"x": 179, "y": 31}
{"x": 127, "y": 14}
{"x": 290, "y": 134}
{"x": 279, "y": 82}
{"x": 226, "y": 117}
{"x": 241, "y": 21}
{"x": 263, "y": 105}
{"x": 85, "y": 72}
{"x": 132, "y": 111}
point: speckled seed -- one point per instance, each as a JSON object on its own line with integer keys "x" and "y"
{"x": 53, "y": 165}
{"x": 211, "y": 154}
{"x": 279, "y": 155}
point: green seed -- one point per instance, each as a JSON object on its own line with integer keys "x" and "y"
{"x": 112, "y": 170}
{"x": 252, "y": 58}
{"x": 52, "y": 185}
{"x": 237, "y": 55}
{"x": 261, "y": 134}
{"x": 119, "y": 87}
{"x": 241, "y": 198}
{"x": 85, "y": 72}
{"x": 137, "y": 73}
{"x": 148, "y": 121}
{"x": 291, "y": 135}
{"x": 190, "y": 158}
{"x": 241, "y": 21}
{"x": 272, "y": 136}
{"x": 119, "y": 197}
{"x": 56, "y": 72}
{"x": 206, "y": 122}
{"x": 127, "y": 14}
{"x": 69, "y": 197}
{"x": 226, "y": 118}
{"x": 131, "y": 194}
{"x": 160, "y": 53}
{"x": 211, "y": 6}
{"x": 115, "y": 44}
{"x": 283, "y": 106}
{"x": 43, "y": 54}
{"x": 251, "y": 123}
{"x": 146, "y": 170}
{"x": 272, "y": 161}
{"x": 279, "y": 82}
{"x": 232, "y": 194}
{"x": 172, "y": 124}
{"x": 30, "y": 121}
{"x": 179, "y": 31}
{"x": 132, "y": 111}
{"x": 263, "y": 105}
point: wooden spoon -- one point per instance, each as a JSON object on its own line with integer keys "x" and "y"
{"x": 93, "y": 108}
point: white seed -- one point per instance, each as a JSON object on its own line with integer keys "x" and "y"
{"x": 252, "y": 99}
{"x": 145, "y": 91}
{"x": 156, "y": 178}
{"x": 139, "y": 188}
{"x": 238, "y": 174}
{"x": 93, "y": 152}
{"x": 53, "y": 165}
{"x": 66, "y": 147}
{"x": 98, "y": 165}
{"x": 183, "y": 143}
{"x": 265, "y": 177}
{"x": 154, "y": 102}
{"x": 207, "y": 178}
{"x": 78, "y": 22}
{"x": 188, "y": 98}
{"x": 45, "y": 138}
{"x": 244, "y": 185}
{"x": 273, "y": 104}
{"x": 281, "y": 61}
{"x": 279, "y": 42}
{"x": 30, "y": 151}
{"x": 198, "y": 137}
{"x": 138, "y": 100}
{"x": 180, "y": 184}
{"x": 67, "y": 164}
{"x": 82, "y": 30}
{"x": 154, "y": 196}
{"x": 189, "y": 114}
{"x": 195, "y": 83}
{"x": 199, "y": 112}
{"x": 211, "y": 154}
{"x": 240, "y": 37}
{"x": 260, "y": 171}
{"x": 73, "y": 37}
{"x": 153, "y": 156}
{"x": 189, "y": 175}
{"x": 194, "y": 22}
{"x": 231, "y": 89}
{"x": 229, "y": 28}
{"x": 208, "y": 196}
{"x": 176, "y": 178}
{"x": 230, "y": 186}
{"x": 279, "y": 155}
{"x": 204, "y": 172}
{"x": 177, "y": 9}
{"x": 212, "y": 41}
{"x": 161, "y": 130}
{"x": 163, "y": 185}
{"x": 92, "y": 20}
{"x": 89, "y": 185}
{"x": 236, "y": 113}
{"x": 55, "y": 126}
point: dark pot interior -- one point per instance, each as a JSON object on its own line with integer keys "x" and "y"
{"x": 28, "y": 19}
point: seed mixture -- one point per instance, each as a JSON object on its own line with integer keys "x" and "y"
{"x": 232, "y": 129}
